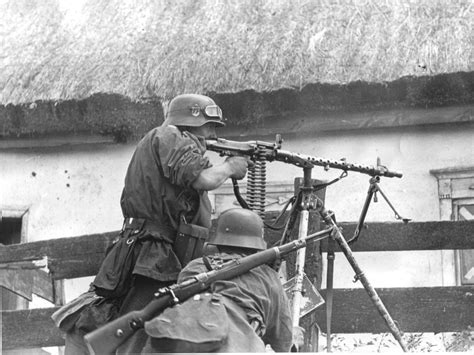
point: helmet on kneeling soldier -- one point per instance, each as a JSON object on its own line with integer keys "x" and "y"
{"x": 239, "y": 228}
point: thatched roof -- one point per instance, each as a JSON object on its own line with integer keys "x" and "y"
{"x": 145, "y": 48}
{"x": 435, "y": 99}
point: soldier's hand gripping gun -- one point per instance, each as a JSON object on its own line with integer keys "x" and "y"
{"x": 106, "y": 339}
{"x": 261, "y": 150}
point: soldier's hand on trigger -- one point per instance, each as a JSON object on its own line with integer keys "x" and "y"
{"x": 238, "y": 166}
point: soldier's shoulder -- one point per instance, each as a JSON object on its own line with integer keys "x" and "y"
{"x": 164, "y": 134}
{"x": 168, "y": 129}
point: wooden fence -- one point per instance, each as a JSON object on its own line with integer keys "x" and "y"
{"x": 424, "y": 309}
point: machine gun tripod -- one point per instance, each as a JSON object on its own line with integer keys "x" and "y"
{"x": 308, "y": 201}
{"x": 304, "y": 201}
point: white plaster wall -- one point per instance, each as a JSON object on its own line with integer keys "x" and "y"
{"x": 69, "y": 191}
{"x": 95, "y": 173}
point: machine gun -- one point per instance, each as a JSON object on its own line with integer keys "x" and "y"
{"x": 106, "y": 339}
{"x": 266, "y": 151}
{"x": 261, "y": 152}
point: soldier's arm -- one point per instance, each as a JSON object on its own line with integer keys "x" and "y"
{"x": 213, "y": 177}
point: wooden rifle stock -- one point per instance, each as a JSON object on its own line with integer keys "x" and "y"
{"x": 106, "y": 339}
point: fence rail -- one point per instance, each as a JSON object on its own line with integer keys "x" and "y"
{"x": 424, "y": 309}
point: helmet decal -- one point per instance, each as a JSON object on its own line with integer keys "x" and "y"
{"x": 196, "y": 110}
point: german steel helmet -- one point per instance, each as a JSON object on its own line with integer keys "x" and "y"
{"x": 238, "y": 227}
{"x": 193, "y": 110}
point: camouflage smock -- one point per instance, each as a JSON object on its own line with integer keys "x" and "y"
{"x": 158, "y": 187}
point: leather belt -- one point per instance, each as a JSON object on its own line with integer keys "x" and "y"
{"x": 136, "y": 225}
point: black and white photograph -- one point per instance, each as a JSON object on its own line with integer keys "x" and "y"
{"x": 236, "y": 176}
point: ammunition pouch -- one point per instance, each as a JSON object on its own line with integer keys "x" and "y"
{"x": 114, "y": 278}
{"x": 189, "y": 242}
{"x": 115, "y": 274}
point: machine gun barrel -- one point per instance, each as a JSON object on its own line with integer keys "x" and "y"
{"x": 301, "y": 159}
{"x": 272, "y": 151}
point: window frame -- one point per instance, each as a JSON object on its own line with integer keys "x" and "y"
{"x": 457, "y": 204}
{"x": 452, "y": 195}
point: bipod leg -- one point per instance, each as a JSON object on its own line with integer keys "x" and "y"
{"x": 397, "y": 215}
{"x": 339, "y": 238}
{"x": 373, "y": 188}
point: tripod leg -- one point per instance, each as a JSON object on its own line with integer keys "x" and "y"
{"x": 300, "y": 260}
{"x": 338, "y": 237}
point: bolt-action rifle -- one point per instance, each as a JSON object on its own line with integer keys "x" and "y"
{"x": 109, "y": 337}
{"x": 258, "y": 150}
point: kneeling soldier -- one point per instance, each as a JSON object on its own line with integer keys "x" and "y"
{"x": 243, "y": 314}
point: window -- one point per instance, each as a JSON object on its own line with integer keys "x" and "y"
{"x": 456, "y": 196}
{"x": 464, "y": 211}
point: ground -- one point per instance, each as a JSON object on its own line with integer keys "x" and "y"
{"x": 416, "y": 342}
